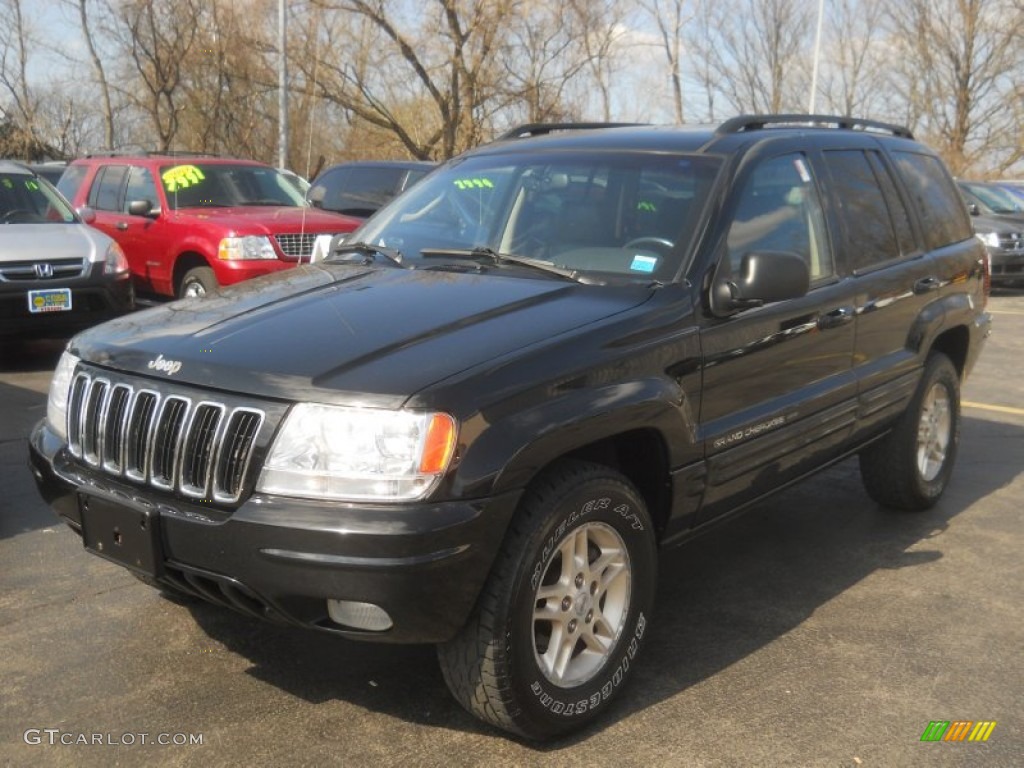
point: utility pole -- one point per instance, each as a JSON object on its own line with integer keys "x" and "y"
{"x": 282, "y": 87}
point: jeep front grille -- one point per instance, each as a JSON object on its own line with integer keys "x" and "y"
{"x": 169, "y": 441}
{"x": 298, "y": 246}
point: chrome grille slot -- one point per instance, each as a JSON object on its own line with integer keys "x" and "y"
{"x": 75, "y": 412}
{"x": 114, "y": 428}
{"x": 140, "y": 423}
{"x": 296, "y": 245}
{"x": 235, "y": 450}
{"x": 162, "y": 440}
{"x": 199, "y": 449}
{"x": 95, "y": 400}
{"x": 167, "y": 439}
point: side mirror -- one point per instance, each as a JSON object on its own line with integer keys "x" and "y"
{"x": 764, "y": 277}
{"x": 142, "y": 208}
{"x": 315, "y": 196}
{"x": 86, "y": 214}
{"x": 974, "y": 209}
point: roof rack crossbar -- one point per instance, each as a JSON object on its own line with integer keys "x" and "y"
{"x": 542, "y": 129}
{"x": 758, "y": 122}
{"x": 152, "y": 153}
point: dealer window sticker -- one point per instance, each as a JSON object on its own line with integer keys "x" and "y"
{"x": 181, "y": 177}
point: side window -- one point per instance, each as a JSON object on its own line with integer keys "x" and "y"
{"x": 105, "y": 194}
{"x": 780, "y": 210}
{"x": 71, "y": 180}
{"x": 140, "y": 187}
{"x": 944, "y": 217}
{"x": 869, "y": 237}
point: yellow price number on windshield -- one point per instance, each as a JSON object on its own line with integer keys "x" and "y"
{"x": 478, "y": 183}
{"x": 181, "y": 177}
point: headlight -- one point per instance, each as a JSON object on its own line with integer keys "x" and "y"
{"x": 57, "y": 401}
{"x": 115, "y": 263}
{"x": 991, "y": 239}
{"x": 248, "y": 247}
{"x": 357, "y": 454}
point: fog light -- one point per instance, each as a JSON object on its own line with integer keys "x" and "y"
{"x": 359, "y": 615}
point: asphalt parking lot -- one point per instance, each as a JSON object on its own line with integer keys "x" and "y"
{"x": 819, "y": 630}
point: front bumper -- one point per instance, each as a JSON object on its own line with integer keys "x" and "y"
{"x": 282, "y": 559}
{"x": 92, "y": 302}
{"x": 1007, "y": 265}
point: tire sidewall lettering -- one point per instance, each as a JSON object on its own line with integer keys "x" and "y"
{"x": 623, "y": 510}
{"x": 619, "y": 512}
{"x": 565, "y": 708}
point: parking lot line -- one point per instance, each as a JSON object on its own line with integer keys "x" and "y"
{"x": 1006, "y": 312}
{"x": 996, "y": 408}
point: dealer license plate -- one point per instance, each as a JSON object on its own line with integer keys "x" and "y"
{"x": 49, "y": 300}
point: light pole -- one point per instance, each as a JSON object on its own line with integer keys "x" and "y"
{"x": 282, "y": 87}
{"x": 817, "y": 55}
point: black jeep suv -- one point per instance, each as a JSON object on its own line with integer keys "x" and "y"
{"x": 479, "y": 419}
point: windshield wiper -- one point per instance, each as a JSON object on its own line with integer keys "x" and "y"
{"x": 503, "y": 258}
{"x": 367, "y": 250}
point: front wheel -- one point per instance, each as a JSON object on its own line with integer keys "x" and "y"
{"x": 910, "y": 467}
{"x": 197, "y": 282}
{"x": 558, "y": 626}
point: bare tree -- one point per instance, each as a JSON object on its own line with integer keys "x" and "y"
{"x": 755, "y": 50}
{"x": 853, "y": 70}
{"x": 601, "y": 39}
{"x": 958, "y": 70}
{"x": 671, "y": 18}
{"x": 158, "y": 37}
{"x": 22, "y": 138}
{"x": 82, "y": 7}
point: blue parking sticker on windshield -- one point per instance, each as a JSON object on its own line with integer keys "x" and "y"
{"x": 644, "y": 263}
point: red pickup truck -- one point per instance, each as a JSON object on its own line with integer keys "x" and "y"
{"x": 189, "y": 224}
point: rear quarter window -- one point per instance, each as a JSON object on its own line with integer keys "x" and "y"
{"x": 939, "y": 205}
{"x": 71, "y": 181}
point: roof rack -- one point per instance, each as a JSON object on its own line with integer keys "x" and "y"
{"x": 543, "y": 129}
{"x": 152, "y": 153}
{"x": 758, "y": 122}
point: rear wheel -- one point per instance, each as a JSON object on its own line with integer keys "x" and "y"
{"x": 197, "y": 282}
{"x": 557, "y": 627}
{"x": 910, "y": 467}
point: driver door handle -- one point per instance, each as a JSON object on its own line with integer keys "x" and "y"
{"x": 836, "y": 318}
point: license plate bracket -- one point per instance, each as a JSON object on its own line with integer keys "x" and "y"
{"x": 123, "y": 533}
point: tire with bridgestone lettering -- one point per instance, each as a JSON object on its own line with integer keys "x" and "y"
{"x": 558, "y": 626}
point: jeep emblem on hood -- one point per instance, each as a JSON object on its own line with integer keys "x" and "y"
{"x": 170, "y": 367}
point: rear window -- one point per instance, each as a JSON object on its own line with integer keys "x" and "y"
{"x": 359, "y": 191}
{"x": 944, "y": 216}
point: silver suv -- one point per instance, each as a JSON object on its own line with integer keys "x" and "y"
{"x": 57, "y": 275}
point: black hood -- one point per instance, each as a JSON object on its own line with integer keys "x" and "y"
{"x": 347, "y": 334}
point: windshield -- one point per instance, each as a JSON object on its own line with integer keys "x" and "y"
{"x": 621, "y": 214}
{"x": 28, "y": 199}
{"x": 205, "y": 185}
{"x": 999, "y": 200}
